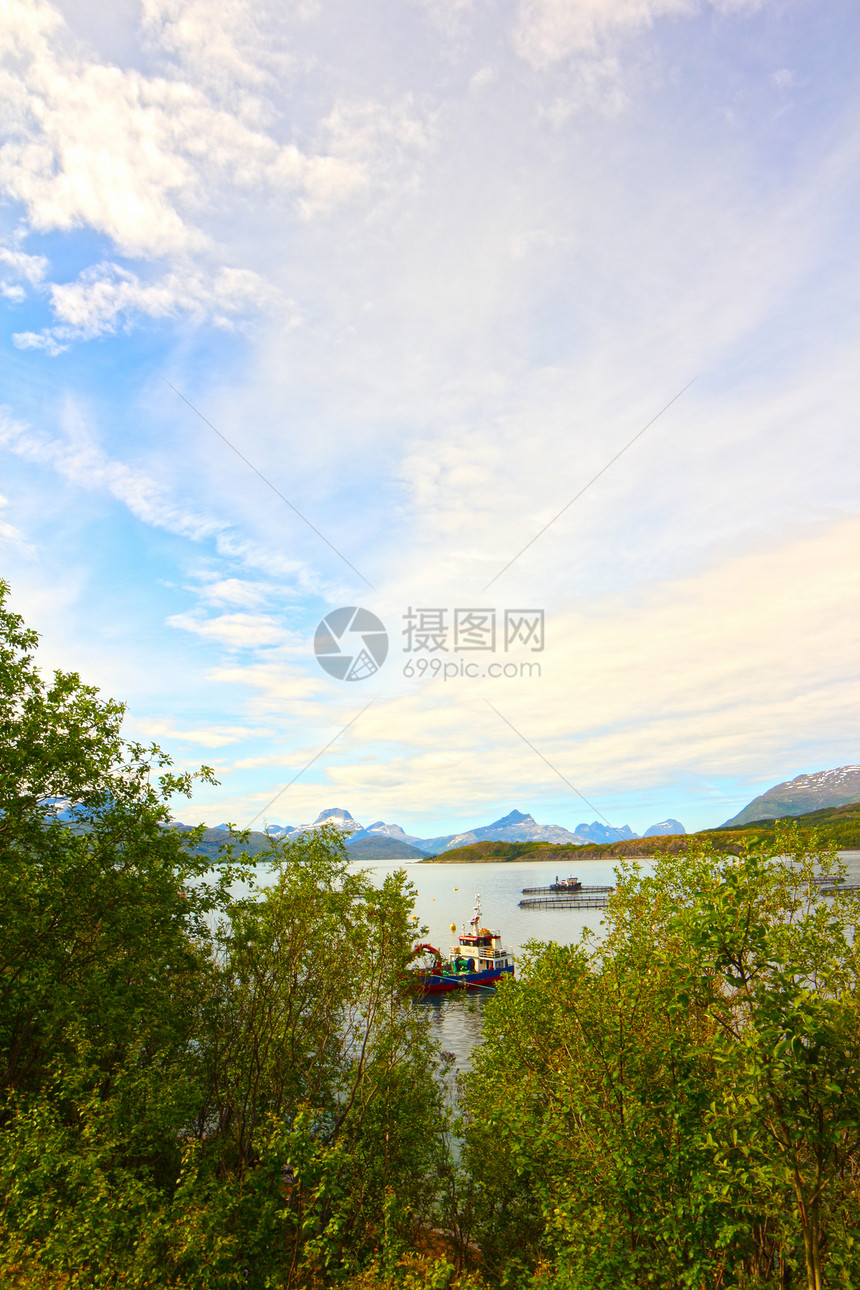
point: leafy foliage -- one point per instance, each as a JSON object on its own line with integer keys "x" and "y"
{"x": 686, "y": 1110}
{"x": 203, "y": 1084}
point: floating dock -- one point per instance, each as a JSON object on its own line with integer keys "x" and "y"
{"x": 598, "y": 897}
{"x": 584, "y": 898}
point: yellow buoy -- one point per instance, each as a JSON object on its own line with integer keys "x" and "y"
{"x": 456, "y": 888}
{"x": 453, "y": 927}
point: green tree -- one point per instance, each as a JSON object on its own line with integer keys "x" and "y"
{"x": 682, "y": 1100}
{"x": 318, "y": 1067}
{"x": 199, "y": 1088}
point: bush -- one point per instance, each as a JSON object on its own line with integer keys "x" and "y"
{"x": 679, "y": 1104}
{"x": 198, "y": 1089}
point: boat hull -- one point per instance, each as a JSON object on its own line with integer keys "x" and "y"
{"x": 448, "y": 983}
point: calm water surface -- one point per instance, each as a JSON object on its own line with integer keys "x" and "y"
{"x": 446, "y": 894}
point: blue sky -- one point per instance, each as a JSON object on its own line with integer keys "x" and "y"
{"x": 430, "y": 267}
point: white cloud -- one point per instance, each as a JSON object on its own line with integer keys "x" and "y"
{"x": 368, "y": 142}
{"x": 139, "y": 157}
{"x": 32, "y": 268}
{"x": 234, "y": 591}
{"x": 29, "y": 268}
{"x": 107, "y": 295}
{"x": 234, "y": 47}
{"x": 551, "y": 30}
{"x": 80, "y": 460}
{"x": 39, "y": 340}
{"x": 707, "y": 677}
{"x": 448, "y": 15}
{"x": 783, "y": 78}
{"x": 238, "y": 631}
{"x": 280, "y": 687}
{"x": 202, "y": 736}
{"x": 10, "y": 534}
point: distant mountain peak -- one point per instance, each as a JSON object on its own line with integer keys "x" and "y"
{"x": 333, "y": 813}
{"x": 598, "y": 832}
{"x": 804, "y": 793}
{"x": 513, "y": 817}
{"x": 666, "y": 828}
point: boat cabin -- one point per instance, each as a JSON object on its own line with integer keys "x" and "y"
{"x": 480, "y": 950}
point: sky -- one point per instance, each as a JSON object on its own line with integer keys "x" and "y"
{"x": 529, "y": 327}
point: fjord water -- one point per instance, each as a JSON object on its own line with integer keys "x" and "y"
{"x": 446, "y": 894}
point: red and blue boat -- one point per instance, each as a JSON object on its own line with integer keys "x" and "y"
{"x": 478, "y": 961}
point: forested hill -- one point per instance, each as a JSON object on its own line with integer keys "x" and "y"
{"x": 213, "y": 841}
{"x": 497, "y": 852}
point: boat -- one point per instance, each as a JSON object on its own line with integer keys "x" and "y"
{"x": 478, "y": 961}
{"x": 566, "y": 884}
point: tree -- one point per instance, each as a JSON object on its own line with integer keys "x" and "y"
{"x": 199, "y": 1088}
{"x": 317, "y": 1066}
{"x": 682, "y": 1099}
{"x": 103, "y": 936}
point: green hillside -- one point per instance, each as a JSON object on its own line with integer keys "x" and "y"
{"x": 382, "y": 848}
{"x": 214, "y": 839}
{"x": 837, "y": 825}
{"x": 494, "y": 852}
{"x": 820, "y": 791}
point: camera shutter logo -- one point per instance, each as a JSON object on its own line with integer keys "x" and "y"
{"x": 351, "y": 644}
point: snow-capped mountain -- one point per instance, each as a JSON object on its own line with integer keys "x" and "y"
{"x": 597, "y": 832}
{"x": 394, "y": 841}
{"x": 333, "y": 815}
{"x": 664, "y": 828}
{"x": 338, "y": 818}
{"x": 517, "y": 827}
{"x": 513, "y": 827}
{"x": 805, "y": 793}
{"x": 379, "y": 829}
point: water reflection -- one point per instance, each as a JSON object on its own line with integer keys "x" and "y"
{"x": 457, "y": 1022}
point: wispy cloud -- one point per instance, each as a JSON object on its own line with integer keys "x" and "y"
{"x": 694, "y": 681}
{"x": 80, "y": 460}
{"x": 10, "y": 534}
{"x": 430, "y": 270}
{"x": 133, "y": 156}
{"x": 239, "y": 631}
{"x": 106, "y": 295}
{"x": 551, "y": 30}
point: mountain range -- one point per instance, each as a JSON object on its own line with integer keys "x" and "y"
{"x": 381, "y": 841}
